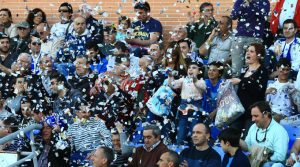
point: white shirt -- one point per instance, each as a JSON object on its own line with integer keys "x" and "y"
{"x": 287, "y": 11}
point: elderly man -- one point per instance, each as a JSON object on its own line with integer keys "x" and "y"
{"x": 179, "y": 33}
{"x": 20, "y": 42}
{"x": 149, "y": 154}
{"x": 264, "y": 133}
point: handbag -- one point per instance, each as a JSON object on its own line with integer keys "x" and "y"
{"x": 259, "y": 155}
{"x": 160, "y": 103}
{"x": 229, "y": 107}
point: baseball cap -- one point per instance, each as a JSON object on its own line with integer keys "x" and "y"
{"x": 23, "y": 24}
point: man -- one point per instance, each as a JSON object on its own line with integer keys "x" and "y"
{"x": 6, "y": 58}
{"x": 264, "y": 133}
{"x": 86, "y": 133}
{"x": 97, "y": 60}
{"x": 103, "y": 157}
{"x": 169, "y": 159}
{"x": 179, "y": 32}
{"x": 61, "y": 29}
{"x": 75, "y": 41}
{"x": 252, "y": 16}
{"x": 289, "y": 46}
{"x": 35, "y": 49}
{"x": 201, "y": 154}
{"x": 20, "y": 42}
{"x": 153, "y": 148}
{"x": 49, "y": 46}
{"x": 283, "y": 10}
{"x": 279, "y": 93}
{"x": 156, "y": 51}
{"x": 186, "y": 49}
{"x": 108, "y": 46}
{"x": 82, "y": 79}
{"x": 199, "y": 31}
{"x": 147, "y": 30}
{"x": 93, "y": 25}
{"x": 219, "y": 42}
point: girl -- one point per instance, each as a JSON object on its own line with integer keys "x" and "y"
{"x": 192, "y": 88}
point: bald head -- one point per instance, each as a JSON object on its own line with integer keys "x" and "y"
{"x": 43, "y": 30}
{"x": 79, "y": 25}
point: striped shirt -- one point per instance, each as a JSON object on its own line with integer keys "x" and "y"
{"x": 89, "y": 135}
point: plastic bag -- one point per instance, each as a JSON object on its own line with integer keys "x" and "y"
{"x": 229, "y": 107}
{"x": 160, "y": 103}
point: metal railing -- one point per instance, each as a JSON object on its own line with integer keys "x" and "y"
{"x": 30, "y": 155}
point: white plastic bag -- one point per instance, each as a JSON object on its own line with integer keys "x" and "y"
{"x": 229, "y": 107}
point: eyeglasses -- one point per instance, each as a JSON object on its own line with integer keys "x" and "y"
{"x": 264, "y": 139}
{"x": 36, "y": 43}
{"x": 63, "y": 11}
{"x": 208, "y": 10}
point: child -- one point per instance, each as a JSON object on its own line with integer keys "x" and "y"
{"x": 234, "y": 157}
{"x": 192, "y": 88}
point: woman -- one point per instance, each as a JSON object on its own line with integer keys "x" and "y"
{"x": 35, "y": 17}
{"x": 6, "y": 24}
{"x": 252, "y": 84}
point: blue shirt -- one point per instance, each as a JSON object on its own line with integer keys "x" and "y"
{"x": 196, "y": 158}
{"x": 144, "y": 29}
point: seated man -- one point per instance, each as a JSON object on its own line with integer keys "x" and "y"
{"x": 103, "y": 157}
{"x": 153, "y": 148}
{"x": 280, "y": 93}
{"x": 169, "y": 159}
{"x": 289, "y": 46}
{"x": 147, "y": 30}
{"x": 201, "y": 154}
{"x": 264, "y": 133}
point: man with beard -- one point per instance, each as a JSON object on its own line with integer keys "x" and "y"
{"x": 6, "y": 58}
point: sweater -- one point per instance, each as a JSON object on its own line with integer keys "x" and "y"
{"x": 238, "y": 159}
{"x": 142, "y": 158}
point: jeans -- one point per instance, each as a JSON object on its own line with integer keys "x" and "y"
{"x": 238, "y": 48}
{"x": 185, "y": 125}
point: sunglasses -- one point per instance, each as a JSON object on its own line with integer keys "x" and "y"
{"x": 63, "y": 11}
{"x": 36, "y": 43}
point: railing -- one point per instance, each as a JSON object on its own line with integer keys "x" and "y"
{"x": 30, "y": 155}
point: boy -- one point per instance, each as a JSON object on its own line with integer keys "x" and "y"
{"x": 234, "y": 156}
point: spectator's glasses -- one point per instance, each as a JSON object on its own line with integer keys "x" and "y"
{"x": 208, "y": 10}
{"x": 22, "y": 28}
{"x": 63, "y": 11}
{"x": 264, "y": 139}
{"x": 36, "y": 43}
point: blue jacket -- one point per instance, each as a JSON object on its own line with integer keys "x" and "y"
{"x": 252, "y": 18}
{"x": 238, "y": 159}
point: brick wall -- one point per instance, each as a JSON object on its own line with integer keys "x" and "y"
{"x": 169, "y": 12}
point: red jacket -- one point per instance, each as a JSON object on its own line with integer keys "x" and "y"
{"x": 274, "y": 23}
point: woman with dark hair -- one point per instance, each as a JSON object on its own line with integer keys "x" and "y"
{"x": 35, "y": 17}
{"x": 6, "y": 23}
{"x": 252, "y": 84}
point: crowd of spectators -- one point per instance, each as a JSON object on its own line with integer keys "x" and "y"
{"x": 124, "y": 95}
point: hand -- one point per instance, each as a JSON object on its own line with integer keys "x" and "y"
{"x": 277, "y": 50}
{"x": 271, "y": 91}
{"x": 184, "y": 164}
{"x": 119, "y": 127}
{"x": 213, "y": 114}
{"x": 235, "y": 81}
{"x": 290, "y": 161}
